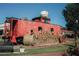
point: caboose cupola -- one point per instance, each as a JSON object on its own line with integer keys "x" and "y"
{"x": 42, "y": 18}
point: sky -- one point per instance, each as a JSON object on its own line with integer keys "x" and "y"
{"x": 31, "y": 10}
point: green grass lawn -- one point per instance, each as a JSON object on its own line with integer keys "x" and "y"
{"x": 29, "y": 52}
{"x": 46, "y": 50}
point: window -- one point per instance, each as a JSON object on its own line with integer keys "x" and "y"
{"x": 51, "y": 29}
{"x": 31, "y": 32}
{"x": 39, "y": 28}
{"x": 46, "y": 21}
{"x": 1, "y": 32}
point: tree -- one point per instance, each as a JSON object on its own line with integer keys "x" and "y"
{"x": 71, "y": 14}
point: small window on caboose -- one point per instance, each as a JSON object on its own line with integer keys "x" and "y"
{"x": 39, "y": 28}
{"x": 1, "y": 32}
{"x": 51, "y": 29}
{"x": 31, "y": 32}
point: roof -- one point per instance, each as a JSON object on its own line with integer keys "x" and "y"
{"x": 34, "y": 19}
{"x": 39, "y": 18}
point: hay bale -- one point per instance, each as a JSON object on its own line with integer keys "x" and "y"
{"x": 39, "y": 38}
{"x": 45, "y": 37}
{"x": 28, "y": 39}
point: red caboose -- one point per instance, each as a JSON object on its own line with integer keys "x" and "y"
{"x": 16, "y": 28}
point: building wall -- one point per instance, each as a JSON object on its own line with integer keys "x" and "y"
{"x": 24, "y": 27}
